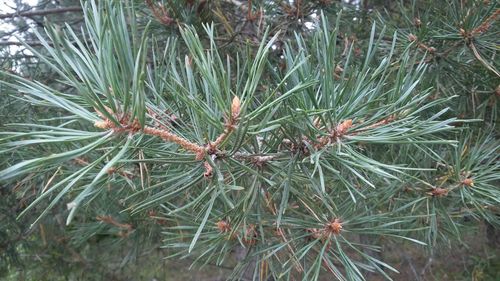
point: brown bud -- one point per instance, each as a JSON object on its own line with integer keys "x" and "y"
{"x": 223, "y": 226}
{"x": 468, "y": 182}
{"x": 357, "y": 52}
{"x": 412, "y": 38}
{"x": 338, "y": 70}
{"x": 417, "y": 22}
{"x": 111, "y": 170}
{"x": 343, "y": 127}
{"x": 335, "y": 226}
{"x": 438, "y": 192}
{"x": 250, "y": 236}
{"x": 103, "y": 124}
{"x": 235, "y": 108}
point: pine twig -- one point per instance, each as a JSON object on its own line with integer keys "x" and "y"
{"x": 134, "y": 127}
{"x": 486, "y": 24}
{"x": 111, "y": 221}
{"x": 231, "y": 123}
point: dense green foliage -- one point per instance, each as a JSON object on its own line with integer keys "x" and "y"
{"x": 286, "y": 141}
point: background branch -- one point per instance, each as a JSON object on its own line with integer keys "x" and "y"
{"x": 42, "y": 12}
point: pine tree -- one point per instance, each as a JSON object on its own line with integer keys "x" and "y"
{"x": 285, "y": 153}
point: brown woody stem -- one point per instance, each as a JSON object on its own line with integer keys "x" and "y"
{"x": 162, "y": 133}
{"x": 110, "y": 220}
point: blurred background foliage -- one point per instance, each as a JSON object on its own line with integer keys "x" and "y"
{"x": 456, "y": 39}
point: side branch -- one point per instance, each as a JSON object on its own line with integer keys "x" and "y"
{"x": 110, "y": 220}
{"x": 133, "y": 127}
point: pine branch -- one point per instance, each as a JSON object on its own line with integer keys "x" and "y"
{"x": 230, "y": 125}
{"x": 339, "y": 141}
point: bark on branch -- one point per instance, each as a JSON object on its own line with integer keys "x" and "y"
{"x": 17, "y": 43}
{"x": 42, "y": 12}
